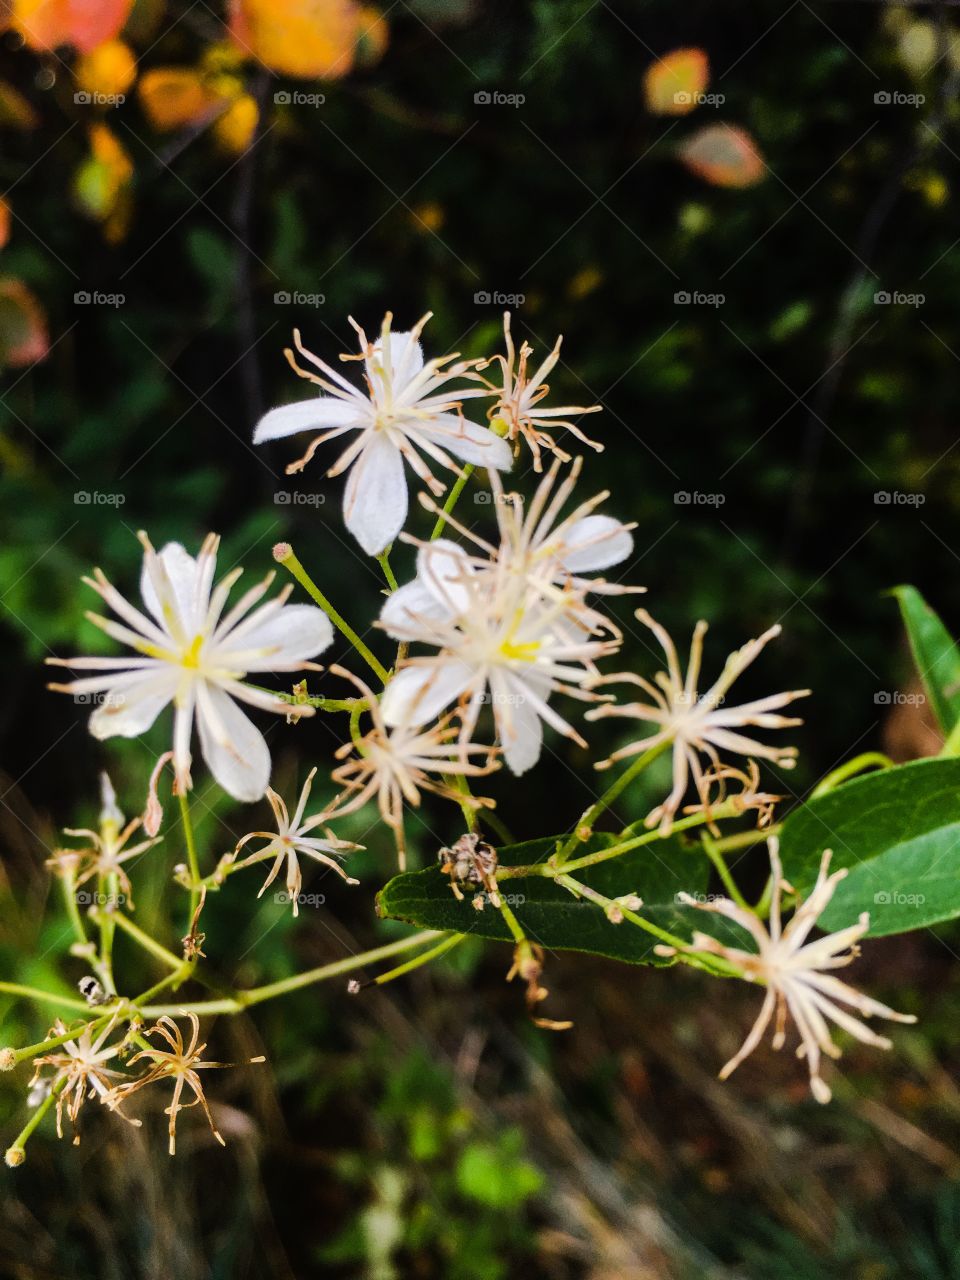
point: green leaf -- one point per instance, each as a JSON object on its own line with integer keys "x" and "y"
{"x": 898, "y": 832}
{"x": 935, "y": 653}
{"x": 551, "y": 916}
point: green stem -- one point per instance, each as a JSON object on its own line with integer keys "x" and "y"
{"x": 512, "y": 923}
{"x": 42, "y": 997}
{"x": 746, "y": 839}
{"x": 868, "y": 760}
{"x": 952, "y": 745}
{"x": 723, "y": 871}
{"x": 383, "y": 559}
{"x": 155, "y": 948}
{"x": 69, "y": 883}
{"x": 15, "y": 1153}
{"x": 309, "y": 699}
{"x": 425, "y": 957}
{"x": 451, "y": 501}
{"x": 285, "y": 555}
{"x": 551, "y": 869}
{"x": 192, "y": 859}
{"x": 584, "y": 828}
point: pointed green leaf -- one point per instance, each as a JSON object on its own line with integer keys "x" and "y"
{"x": 898, "y": 833}
{"x": 936, "y": 654}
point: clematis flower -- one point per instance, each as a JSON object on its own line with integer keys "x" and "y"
{"x": 292, "y": 837}
{"x": 406, "y": 411}
{"x": 193, "y": 654}
{"x": 520, "y": 397}
{"x": 79, "y": 1071}
{"x": 698, "y": 724}
{"x": 395, "y": 765}
{"x": 181, "y": 1064}
{"x": 108, "y": 849}
{"x": 791, "y": 968}
{"x": 497, "y": 642}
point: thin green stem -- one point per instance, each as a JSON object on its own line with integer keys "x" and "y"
{"x": 192, "y": 860}
{"x": 584, "y": 828}
{"x": 69, "y": 883}
{"x": 745, "y": 839}
{"x": 868, "y": 760}
{"x": 308, "y": 699}
{"x": 452, "y": 498}
{"x": 425, "y": 957}
{"x": 42, "y": 997}
{"x": 723, "y": 871}
{"x": 284, "y": 554}
{"x": 148, "y": 943}
{"x": 15, "y": 1153}
{"x": 383, "y": 559}
{"x": 512, "y": 923}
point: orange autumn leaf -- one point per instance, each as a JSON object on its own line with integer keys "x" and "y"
{"x": 673, "y": 84}
{"x": 172, "y": 97}
{"x": 101, "y": 185}
{"x": 234, "y": 130}
{"x": 15, "y": 110}
{"x": 107, "y": 71}
{"x": 5, "y": 220}
{"x": 23, "y": 326}
{"x": 302, "y": 38}
{"x": 724, "y": 155}
{"x": 47, "y": 24}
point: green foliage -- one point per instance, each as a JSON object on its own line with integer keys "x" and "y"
{"x": 936, "y": 655}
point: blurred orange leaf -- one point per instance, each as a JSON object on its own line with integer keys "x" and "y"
{"x": 46, "y": 24}
{"x": 110, "y": 69}
{"x": 234, "y": 130}
{"x": 673, "y": 84}
{"x": 173, "y": 97}
{"x": 23, "y": 326}
{"x": 5, "y": 220}
{"x": 725, "y": 155}
{"x": 302, "y": 38}
{"x": 372, "y": 37}
{"x": 15, "y": 110}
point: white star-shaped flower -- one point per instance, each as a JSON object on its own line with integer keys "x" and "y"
{"x": 192, "y": 653}
{"x": 791, "y": 968}
{"x": 406, "y": 411}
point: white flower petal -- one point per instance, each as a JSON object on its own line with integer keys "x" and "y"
{"x": 595, "y": 542}
{"x": 519, "y": 726}
{"x": 233, "y": 747}
{"x": 130, "y": 708}
{"x": 295, "y": 634}
{"x": 406, "y": 360}
{"x": 418, "y": 694}
{"x": 319, "y": 414}
{"x": 375, "y": 499}
{"x": 406, "y": 610}
{"x": 466, "y": 440}
{"x": 181, "y": 570}
{"x": 442, "y": 567}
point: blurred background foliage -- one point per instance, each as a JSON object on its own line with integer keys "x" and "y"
{"x": 183, "y": 185}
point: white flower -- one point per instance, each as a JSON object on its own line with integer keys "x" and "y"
{"x": 109, "y": 848}
{"x": 498, "y": 642}
{"x": 520, "y": 396}
{"x": 790, "y": 968}
{"x": 394, "y": 765}
{"x": 293, "y": 837}
{"x": 79, "y": 1071}
{"x": 405, "y": 411}
{"x": 193, "y": 654}
{"x": 698, "y": 723}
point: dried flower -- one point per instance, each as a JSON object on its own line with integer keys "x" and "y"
{"x": 293, "y": 837}
{"x": 195, "y": 656}
{"x": 79, "y": 1072}
{"x": 698, "y": 723}
{"x": 406, "y": 411}
{"x": 180, "y": 1064}
{"x": 395, "y": 766}
{"x": 519, "y": 401}
{"x": 108, "y": 847}
{"x": 790, "y": 968}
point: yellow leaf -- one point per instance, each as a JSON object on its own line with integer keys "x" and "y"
{"x": 673, "y": 85}
{"x": 109, "y": 70}
{"x": 101, "y": 185}
{"x": 302, "y": 38}
{"x": 234, "y": 130}
{"x": 172, "y": 97}
{"x": 724, "y": 155}
{"x": 23, "y": 326}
